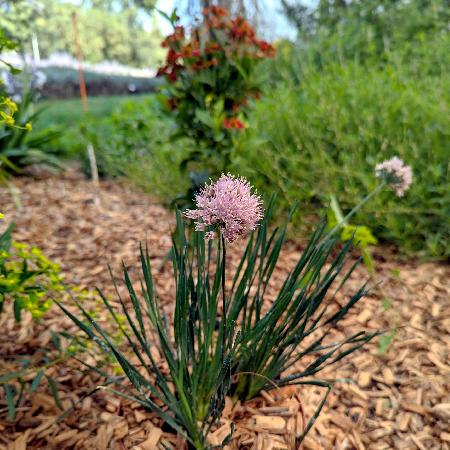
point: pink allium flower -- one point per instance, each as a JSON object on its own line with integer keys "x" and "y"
{"x": 227, "y": 204}
{"x": 396, "y": 174}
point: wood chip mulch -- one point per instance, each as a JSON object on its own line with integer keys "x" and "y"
{"x": 395, "y": 400}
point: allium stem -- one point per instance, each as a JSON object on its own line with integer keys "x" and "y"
{"x": 224, "y": 303}
{"x": 354, "y": 211}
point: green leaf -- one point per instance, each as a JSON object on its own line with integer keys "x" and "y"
{"x": 10, "y": 392}
{"x": 387, "y": 304}
{"x": 17, "y": 309}
{"x": 204, "y": 117}
{"x": 54, "y": 391}
{"x": 56, "y": 340}
{"x": 385, "y": 341}
{"x": 35, "y": 383}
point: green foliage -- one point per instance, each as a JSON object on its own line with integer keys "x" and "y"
{"x": 385, "y": 341}
{"x": 387, "y": 304}
{"x": 365, "y": 82}
{"x": 16, "y": 18}
{"x": 134, "y": 141}
{"x": 19, "y": 146}
{"x": 212, "y": 79}
{"x": 206, "y": 361}
{"x": 30, "y": 281}
{"x": 7, "y": 107}
{"x": 322, "y": 133}
{"x": 297, "y": 324}
{"x": 365, "y": 30}
{"x": 27, "y": 277}
{"x": 361, "y": 235}
{"x": 130, "y": 136}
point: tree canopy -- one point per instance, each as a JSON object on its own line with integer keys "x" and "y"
{"x": 108, "y": 30}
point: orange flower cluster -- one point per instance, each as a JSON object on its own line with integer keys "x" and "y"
{"x": 233, "y": 123}
{"x": 219, "y": 38}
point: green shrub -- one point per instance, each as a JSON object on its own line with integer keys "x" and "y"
{"x": 322, "y": 133}
{"x": 211, "y": 82}
{"x": 135, "y": 142}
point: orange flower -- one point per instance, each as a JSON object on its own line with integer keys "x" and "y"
{"x": 267, "y": 50}
{"x": 176, "y": 36}
{"x": 233, "y": 123}
{"x": 241, "y": 29}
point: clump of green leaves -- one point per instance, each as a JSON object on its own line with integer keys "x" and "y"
{"x": 27, "y": 277}
{"x": 361, "y": 236}
{"x": 17, "y": 147}
{"x": 287, "y": 340}
{"x": 20, "y": 146}
{"x": 251, "y": 343}
{"x": 325, "y": 123}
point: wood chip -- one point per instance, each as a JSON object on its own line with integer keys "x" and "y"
{"x": 151, "y": 443}
{"x": 388, "y": 376}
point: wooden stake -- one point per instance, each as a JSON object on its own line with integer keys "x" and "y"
{"x": 76, "y": 40}
{"x": 84, "y": 100}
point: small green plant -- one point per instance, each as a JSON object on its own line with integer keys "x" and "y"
{"x": 30, "y": 281}
{"x": 134, "y": 141}
{"x": 20, "y": 146}
{"x": 27, "y": 277}
{"x": 361, "y": 235}
{"x": 7, "y": 106}
{"x": 385, "y": 341}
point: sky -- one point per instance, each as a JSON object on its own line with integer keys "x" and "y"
{"x": 276, "y": 27}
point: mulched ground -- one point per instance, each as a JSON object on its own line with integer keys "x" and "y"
{"x": 396, "y": 400}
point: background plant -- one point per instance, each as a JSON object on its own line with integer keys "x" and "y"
{"x": 321, "y": 129}
{"x": 7, "y": 106}
{"x": 20, "y": 146}
{"x": 212, "y": 80}
{"x": 28, "y": 280}
{"x": 133, "y": 141}
{"x": 17, "y": 147}
{"x": 109, "y": 30}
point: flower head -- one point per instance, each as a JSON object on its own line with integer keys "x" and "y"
{"x": 233, "y": 123}
{"x": 229, "y": 205}
{"x": 396, "y": 174}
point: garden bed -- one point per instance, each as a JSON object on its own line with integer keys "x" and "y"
{"x": 394, "y": 397}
